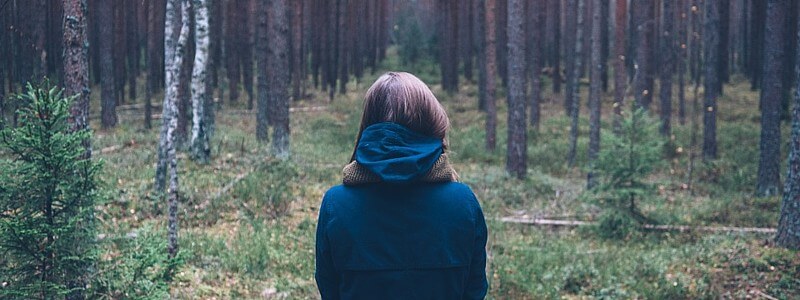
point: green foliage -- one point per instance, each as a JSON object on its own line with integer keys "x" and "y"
{"x": 625, "y": 162}
{"x": 140, "y": 267}
{"x": 268, "y": 191}
{"x": 414, "y": 44}
{"x": 47, "y": 198}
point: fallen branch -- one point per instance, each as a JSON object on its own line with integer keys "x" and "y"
{"x": 679, "y": 228}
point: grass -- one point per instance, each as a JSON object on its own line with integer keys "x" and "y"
{"x": 257, "y": 239}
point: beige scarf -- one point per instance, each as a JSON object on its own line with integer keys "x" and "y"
{"x": 355, "y": 174}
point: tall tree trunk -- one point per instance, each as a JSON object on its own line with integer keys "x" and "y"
{"x": 232, "y": 54}
{"x": 491, "y": 74}
{"x": 595, "y": 89}
{"x": 200, "y": 146}
{"x": 245, "y": 46}
{"x": 759, "y": 15}
{"x": 724, "y": 39}
{"x": 789, "y": 223}
{"x": 643, "y": 81}
{"x": 536, "y": 54}
{"x": 711, "y": 55}
{"x": 298, "y": 60}
{"x": 570, "y": 39}
{"x": 184, "y": 87}
{"x": 480, "y": 45}
{"x": 76, "y": 65}
{"x": 620, "y": 70}
{"x": 769, "y": 179}
{"x": 277, "y": 78}
{"x": 516, "y": 159}
{"x": 263, "y": 115}
{"x": 682, "y": 48}
{"x": 133, "y": 48}
{"x": 169, "y": 107}
{"x": 576, "y": 99}
{"x": 604, "y": 41}
{"x": 107, "y": 64}
{"x": 119, "y": 49}
{"x": 554, "y": 19}
{"x": 171, "y": 119}
{"x": 667, "y": 66}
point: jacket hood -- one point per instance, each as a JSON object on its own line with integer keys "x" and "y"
{"x": 396, "y": 153}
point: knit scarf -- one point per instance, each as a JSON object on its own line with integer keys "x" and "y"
{"x": 355, "y": 174}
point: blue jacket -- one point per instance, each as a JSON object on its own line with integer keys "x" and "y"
{"x": 400, "y": 238}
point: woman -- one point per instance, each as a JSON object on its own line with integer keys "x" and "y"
{"x": 400, "y": 226}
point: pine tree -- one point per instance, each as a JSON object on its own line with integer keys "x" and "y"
{"x": 47, "y": 195}
{"x": 516, "y": 159}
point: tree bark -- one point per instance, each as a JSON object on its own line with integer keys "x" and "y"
{"x": 232, "y": 54}
{"x": 76, "y": 65}
{"x": 682, "y": 48}
{"x": 595, "y": 89}
{"x": 769, "y": 180}
{"x": 570, "y": 40}
{"x": 172, "y": 120}
{"x": 667, "y": 67}
{"x": 554, "y": 28}
{"x": 298, "y": 59}
{"x": 536, "y": 54}
{"x": 643, "y": 83}
{"x": 262, "y": 115}
{"x": 789, "y": 223}
{"x": 200, "y": 146}
{"x": 491, "y": 75}
{"x": 575, "y": 93}
{"x": 277, "y": 78}
{"x": 711, "y": 55}
{"x": 169, "y": 108}
{"x": 107, "y": 64}
{"x": 516, "y": 159}
{"x": 620, "y": 70}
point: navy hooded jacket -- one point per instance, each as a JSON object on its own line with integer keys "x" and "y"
{"x": 400, "y": 238}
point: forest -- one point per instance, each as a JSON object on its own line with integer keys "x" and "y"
{"x": 620, "y": 149}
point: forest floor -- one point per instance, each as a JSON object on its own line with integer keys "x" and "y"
{"x": 248, "y": 220}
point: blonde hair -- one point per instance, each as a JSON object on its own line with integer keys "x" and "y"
{"x": 402, "y": 98}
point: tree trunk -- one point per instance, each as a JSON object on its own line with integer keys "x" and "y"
{"x": 516, "y": 161}
{"x": 262, "y": 115}
{"x": 769, "y": 179}
{"x": 172, "y": 120}
{"x": 789, "y": 223}
{"x": 76, "y": 65}
{"x": 575, "y": 94}
{"x": 595, "y": 89}
{"x": 667, "y": 66}
{"x": 277, "y": 78}
{"x": 298, "y": 60}
{"x": 200, "y": 146}
{"x": 169, "y": 108}
{"x": 491, "y": 74}
{"x": 682, "y": 48}
{"x": 711, "y": 55}
{"x": 133, "y": 47}
{"x": 643, "y": 81}
{"x": 759, "y": 15}
{"x": 536, "y": 54}
{"x": 620, "y": 71}
{"x": 480, "y": 16}
{"x": 570, "y": 27}
{"x": 105, "y": 48}
{"x": 554, "y": 28}
{"x": 604, "y": 41}
{"x": 232, "y": 54}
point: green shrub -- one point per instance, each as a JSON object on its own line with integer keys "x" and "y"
{"x": 626, "y": 160}
{"x": 140, "y": 267}
{"x": 268, "y": 191}
{"x": 47, "y": 198}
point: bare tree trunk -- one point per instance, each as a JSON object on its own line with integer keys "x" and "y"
{"x": 170, "y": 101}
{"x": 667, "y": 67}
{"x": 76, "y": 65}
{"x": 536, "y": 54}
{"x": 620, "y": 71}
{"x": 298, "y": 60}
{"x": 133, "y": 47}
{"x": 570, "y": 26}
{"x": 480, "y": 16}
{"x": 682, "y": 48}
{"x": 516, "y": 159}
{"x": 575, "y": 95}
{"x": 263, "y": 110}
{"x": 200, "y": 147}
{"x": 491, "y": 75}
{"x": 789, "y": 223}
{"x": 555, "y": 28}
{"x": 645, "y": 24}
{"x": 278, "y": 79}
{"x": 107, "y": 64}
{"x": 711, "y": 55}
{"x": 169, "y": 108}
{"x": 595, "y": 89}
{"x": 769, "y": 179}
{"x": 232, "y": 54}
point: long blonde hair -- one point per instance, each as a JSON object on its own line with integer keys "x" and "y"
{"x": 402, "y": 98}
